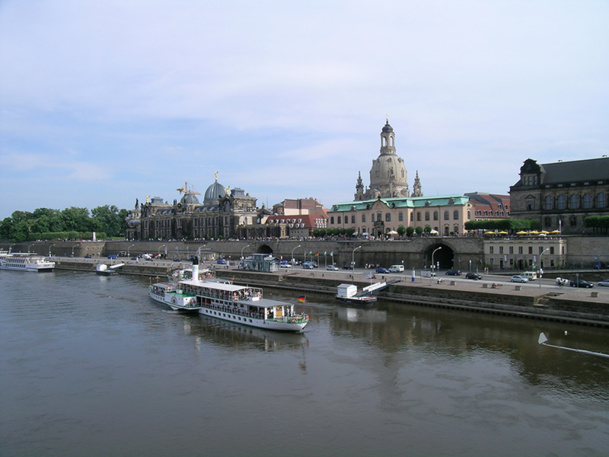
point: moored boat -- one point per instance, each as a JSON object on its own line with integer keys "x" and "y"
{"x": 348, "y": 293}
{"x": 230, "y": 302}
{"x": 25, "y": 262}
{"x": 171, "y": 295}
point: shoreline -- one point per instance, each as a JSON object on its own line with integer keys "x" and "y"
{"x": 564, "y": 304}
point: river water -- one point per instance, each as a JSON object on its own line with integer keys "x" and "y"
{"x": 90, "y": 366}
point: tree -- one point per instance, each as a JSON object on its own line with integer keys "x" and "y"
{"x": 401, "y": 230}
{"x": 409, "y": 231}
{"x": 419, "y": 230}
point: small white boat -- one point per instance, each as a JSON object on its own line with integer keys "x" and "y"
{"x": 25, "y": 262}
{"x": 348, "y": 293}
{"x": 105, "y": 270}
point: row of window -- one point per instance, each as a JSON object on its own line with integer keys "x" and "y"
{"x": 575, "y": 201}
{"x": 490, "y": 213}
{"x": 521, "y": 250}
{"x": 379, "y": 217}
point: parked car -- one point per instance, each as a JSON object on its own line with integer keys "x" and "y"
{"x": 285, "y": 264}
{"x": 473, "y": 276}
{"x": 112, "y": 256}
{"x": 88, "y": 256}
{"x": 308, "y": 265}
{"x": 382, "y": 270}
{"x": 604, "y": 283}
{"x": 581, "y": 283}
{"x": 518, "y": 278}
{"x": 396, "y": 268}
{"x": 347, "y": 267}
{"x": 453, "y": 273}
{"x": 332, "y": 268}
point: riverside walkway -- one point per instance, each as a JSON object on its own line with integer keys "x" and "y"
{"x": 493, "y": 294}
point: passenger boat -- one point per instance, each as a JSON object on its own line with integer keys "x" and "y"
{"x": 230, "y": 302}
{"x": 170, "y": 294}
{"x": 25, "y": 262}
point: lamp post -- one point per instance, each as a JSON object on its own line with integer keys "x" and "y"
{"x": 433, "y": 265}
{"x": 539, "y": 269}
{"x": 50, "y": 249}
{"x": 161, "y": 246}
{"x": 75, "y": 246}
{"x": 199, "y": 251}
{"x": 242, "y": 249}
{"x": 129, "y": 247}
{"x": 353, "y": 257}
{"x": 28, "y": 248}
{"x": 293, "y": 260}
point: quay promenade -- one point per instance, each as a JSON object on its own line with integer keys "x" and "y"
{"x": 494, "y": 294}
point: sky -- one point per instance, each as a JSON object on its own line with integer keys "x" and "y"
{"x": 105, "y": 102}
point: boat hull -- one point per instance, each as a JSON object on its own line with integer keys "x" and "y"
{"x": 286, "y": 324}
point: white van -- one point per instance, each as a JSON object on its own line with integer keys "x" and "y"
{"x": 396, "y": 268}
{"x": 530, "y": 275}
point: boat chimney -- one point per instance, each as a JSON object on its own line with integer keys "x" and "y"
{"x": 195, "y": 268}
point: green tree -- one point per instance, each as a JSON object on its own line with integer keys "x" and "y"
{"x": 401, "y": 230}
{"x": 419, "y": 230}
{"x": 409, "y": 231}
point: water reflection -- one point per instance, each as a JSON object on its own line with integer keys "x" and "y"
{"x": 239, "y": 337}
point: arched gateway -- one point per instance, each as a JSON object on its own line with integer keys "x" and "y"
{"x": 440, "y": 254}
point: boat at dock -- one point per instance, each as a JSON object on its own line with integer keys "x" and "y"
{"x": 25, "y": 262}
{"x": 348, "y": 292}
{"x": 105, "y": 270}
{"x": 230, "y": 302}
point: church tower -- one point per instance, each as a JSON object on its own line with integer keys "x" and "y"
{"x": 359, "y": 188}
{"x": 417, "y": 191}
{"x": 388, "y": 176}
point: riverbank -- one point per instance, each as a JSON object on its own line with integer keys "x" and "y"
{"x": 564, "y": 304}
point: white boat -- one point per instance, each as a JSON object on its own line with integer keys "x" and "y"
{"x": 25, "y": 262}
{"x": 348, "y": 293}
{"x": 105, "y": 270}
{"x": 169, "y": 294}
{"x": 230, "y": 302}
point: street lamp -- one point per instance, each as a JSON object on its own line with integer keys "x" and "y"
{"x": 433, "y": 265}
{"x": 353, "y": 257}
{"x": 75, "y": 246}
{"x": 159, "y": 250}
{"x": 292, "y": 260}
{"x": 28, "y": 248}
{"x": 50, "y": 249}
{"x": 539, "y": 269}
{"x": 129, "y": 247}
{"x": 247, "y": 246}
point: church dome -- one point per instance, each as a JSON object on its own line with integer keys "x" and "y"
{"x": 189, "y": 199}
{"x": 214, "y": 192}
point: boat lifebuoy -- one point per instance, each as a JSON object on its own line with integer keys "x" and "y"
{"x": 293, "y": 320}
{"x": 174, "y": 300}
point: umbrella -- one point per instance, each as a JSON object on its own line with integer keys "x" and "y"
{"x": 521, "y": 233}
{"x": 534, "y": 232}
{"x": 489, "y": 233}
{"x": 502, "y": 233}
{"x": 555, "y": 232}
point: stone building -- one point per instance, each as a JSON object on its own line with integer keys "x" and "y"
{"x": 489, "y": 206}
{"x": 561, "y": 195}
{"x": 525, "y": 253}
{"x": 223, "y": 213}
{"x": 388, "y": 175}
{"x": 387, "y": 204}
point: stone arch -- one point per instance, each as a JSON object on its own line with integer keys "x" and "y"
{"x": 264, "y": 249}
{"x": 445, "y": 255}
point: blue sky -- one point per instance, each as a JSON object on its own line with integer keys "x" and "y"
{"x": 103, "y": 102}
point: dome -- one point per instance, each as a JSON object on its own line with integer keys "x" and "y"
{"x": 189, "y": 199}
{"x": 214, "y": 192}
{"x": 387, "y": 128}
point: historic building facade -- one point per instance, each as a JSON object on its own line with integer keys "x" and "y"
{"x": 489, "y": 206}
{"x": 223, "y": 214}
{"x": 561, "y": 195}
{"x": 386, "y": 204}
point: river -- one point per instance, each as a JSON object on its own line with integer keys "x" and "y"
{"x": 90, "y": 366}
